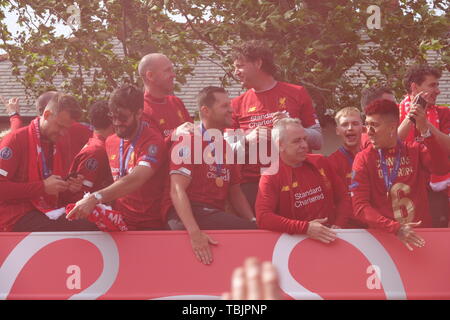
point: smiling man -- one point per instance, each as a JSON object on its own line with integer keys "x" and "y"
{"x": 33, "y": 163}
{"x": 390, "y": 177}
{"x": 136, "y": 156}
{"x": 266, "y": 101}
{"x": 198, "y": 191}
{"x": 305, "y": 196}
{"x": 162, "y": 109}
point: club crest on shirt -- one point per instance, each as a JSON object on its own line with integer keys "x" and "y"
{"x": 252, "y": 109}
{"x": 91, "y": 164}
{"x": 6, "y": 153}
{"x": 325, "y": 178}
{"x": 152, "y": 150}
{"x": 282, "y": 103}
{"x": 113, "y": 157}
{"x": 162, "y": 121}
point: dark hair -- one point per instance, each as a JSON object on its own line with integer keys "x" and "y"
{"x": 373, "y": 93}
{"x": 99, "y": 115}
{"x": 383, "y": 107}
{"x": 417, "y": 73}
{"x": 253, "y": 50}
{"x": 63, "y": 102}
{"x": 206, "y": 96}
{"x": 127, "y": 97}
{"x": 43, "y": 100}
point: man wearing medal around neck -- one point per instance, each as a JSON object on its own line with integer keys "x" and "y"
{"x": 34, "y": 160}
{"x": 136, "y": 155}
{"x": 199, "y": 189}
{"x": 389, "y": 177}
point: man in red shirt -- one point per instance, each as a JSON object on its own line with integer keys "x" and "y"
{"x": 162, "y": 109}
{"x": 305, "y": 194}
{"x": 423, "y": 80}
{"x": 199, "y": 189}
{"x": 136, "y": 155}
{"x": 390, "y": 177}
{"x": 265, "y": 101}
{"x": 78, "y": 134}
{"x": 92, "y": 161}
{"x": 33, "y": 161}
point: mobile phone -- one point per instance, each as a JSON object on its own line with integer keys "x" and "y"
{"x": 422, "y": 102}
{"x": 71, "y": 175}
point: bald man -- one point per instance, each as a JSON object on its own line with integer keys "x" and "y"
{"x": 162, "y": 109}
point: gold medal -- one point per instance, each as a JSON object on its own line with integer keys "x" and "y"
{"x": 219, "y": 182}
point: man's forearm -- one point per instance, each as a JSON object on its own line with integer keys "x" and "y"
{"x": 314, "y": 139}
{"x": 183, "y": 207}
{"x": 404, "y": 128}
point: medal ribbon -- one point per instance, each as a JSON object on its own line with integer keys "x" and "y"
{"x": 347, "y": 154}
{"x": 389, "y": 178}
{"x": 46, "y": 172}
{"x": 218, "y": 164}
{"x": 123, "y": 166}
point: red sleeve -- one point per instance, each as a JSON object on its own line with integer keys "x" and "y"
{"x": 308, "y": 115}
{"x": 153, "y": 152}
{"x": 266, "y": 205}
{"x": 15, "y": 122}
{"x": 360, "y": 191}
{"x": 10, "y": 160}
{"x": 444, "y": 119}
{"x": 88, "y": 165}
{"x": 181, "y": 159}
{"x": 433, "y": 157}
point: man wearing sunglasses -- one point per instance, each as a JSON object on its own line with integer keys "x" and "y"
{"x": 136, "y": 155}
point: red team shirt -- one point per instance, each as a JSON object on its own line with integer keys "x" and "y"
{"x": 92, "y": 162}
{"x": 15, "y": 189}
{"x": 407, "y": 200}
{"x": 342, "y": 165}
{"x": 289, "y": 199}
{"x": 164, "y": 114}
{"x": 203, "y": 188}
{"x": 141, "y": 208}
{"x": 253, "y": 109}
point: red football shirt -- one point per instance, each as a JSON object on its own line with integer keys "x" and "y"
{"x": 79, "y": 135}
{"x": 253, "y": 109}
{"x": 164, "y": 114}
{"x": 288, "y": 200}
{"x": 342, "y": 164}
{"x": 15, "y": 190}
{"x": 407, "y": 200}
{"x": 141, "y": 208}
{"x": 210, "y": 183}
{"x": 92, "y": 162}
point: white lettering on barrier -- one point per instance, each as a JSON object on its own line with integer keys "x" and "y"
{"x": 74, "y": 280}
{"x": 374, "y": 280}
{"x": 31, "y": 244}
{"x": 362, "y": 240}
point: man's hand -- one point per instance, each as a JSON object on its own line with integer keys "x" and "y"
{"x": 182, "y": 130}
{"x": 75, "y": 184}
{"x": 278, "y": 116}
{"x": 254, "y": 281}
{"x": 54, "y": 185}
{"x": 12, "y": 105}
{"x": 200, "y": 244}
{"x": 83, "y": 208}
{"x": 418, "y": 113}
{"x": 409, "y": 237}
{"x": 258, "y": 134}
{"x": 317, "y": 231}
